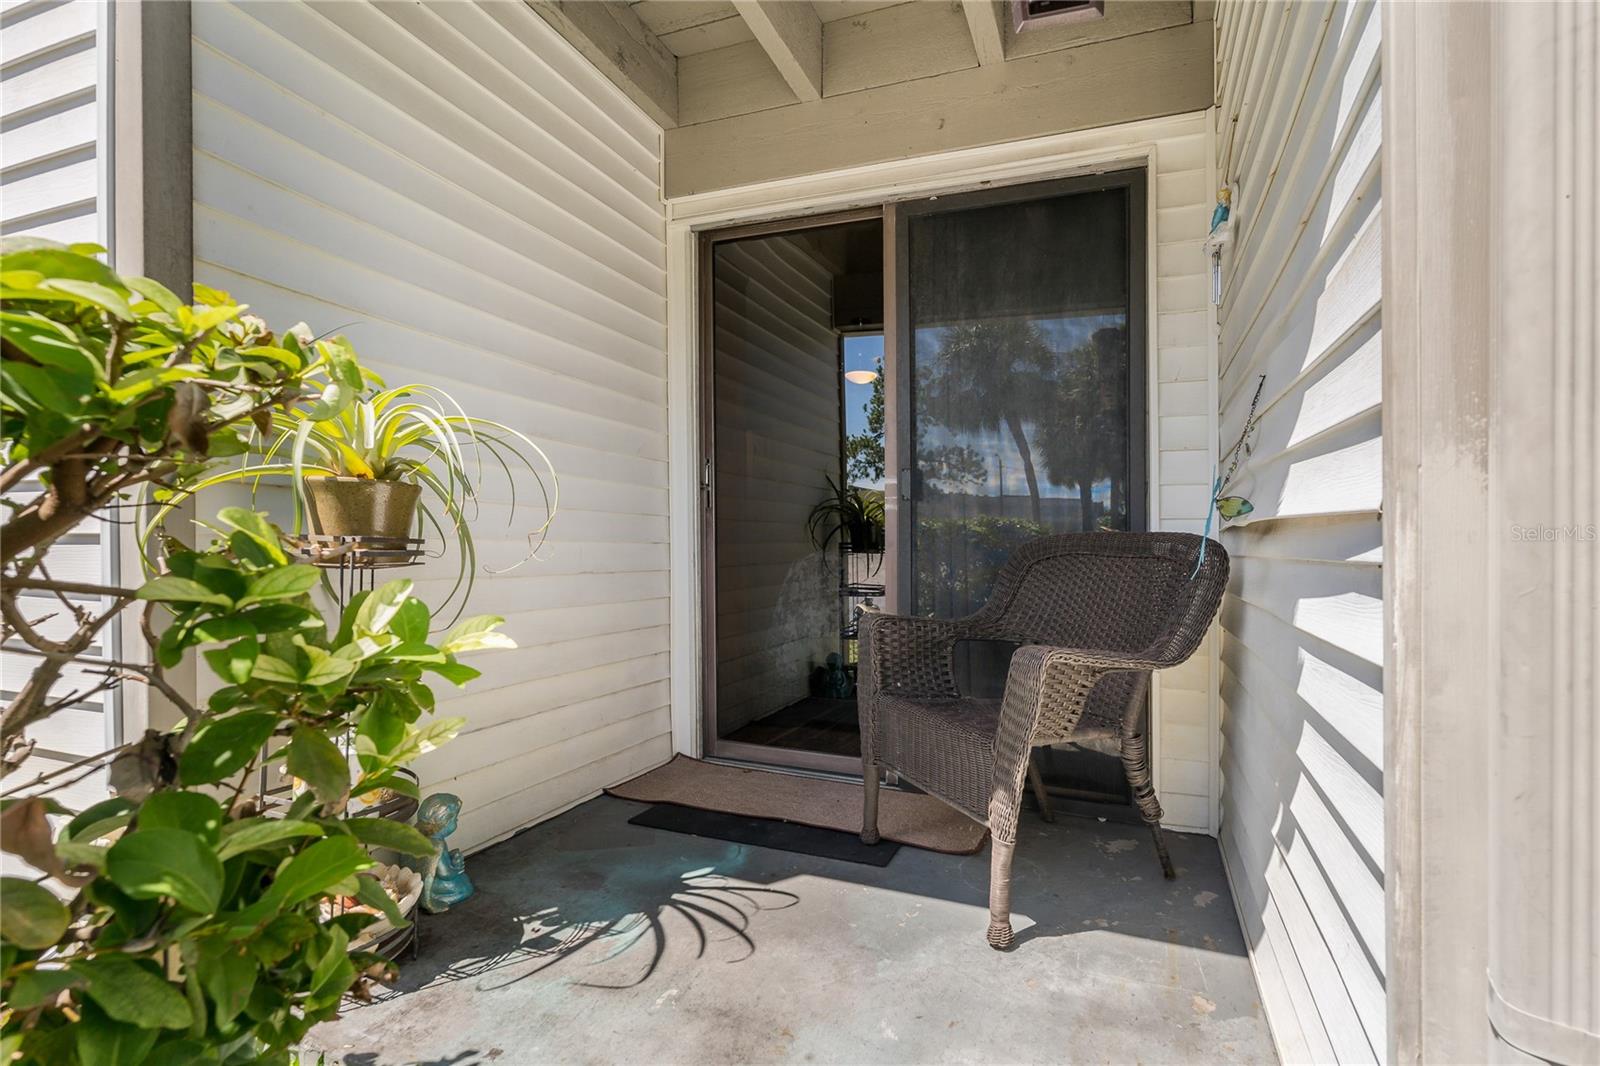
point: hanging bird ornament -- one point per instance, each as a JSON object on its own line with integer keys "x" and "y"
{"x": 1231, "y": 507}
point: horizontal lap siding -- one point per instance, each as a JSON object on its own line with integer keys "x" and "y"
{"x": 477, "y": 209}
{"x": 50, "y": 160}
{"x": 1302, "y": 651}
{"x": 1181, "y": 366}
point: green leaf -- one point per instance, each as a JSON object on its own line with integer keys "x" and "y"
{"x": 167, "y": 862}
{"x": 380, "y": 730}
{"x": 193, "y": 812}
{"x": 156, "y": 293}
{"x": 129, "y": 992}
{"x": 281, "y": 936}
{"x": 325, "y": 669}
{"x": 223, "y": 746}
{"x": 251, "y": 833}
{"x": 423, "y": 740}
{"x": 333, "y": 973}
{"x": 74, "y": 853}
{"x": 343, "y": 366}
{"x": 189, "y": 1051}
{"x": 228, "y": 627}
{"x": 475, "y": 634}
{"x": 50, "y": 343}
{"x": 95, "y": 295}
{"x": 171, "y": 589}
{"x": 34, "y": 987}
{"x": 227, "y": 974}
{"x": 99, "y": 819}
{"x": 457, "y": 673}
{"x": 415, "y": 653}
{"x": 45, "y": 387}
{"x": 103, "y": 1042}
{"x": 380, "y": 607}
{"x": 318, "y": 868}
{"x": 235, "y": 662}
{"x": 255, "y": 526}
{"x": 392, "y": 780}
{"x": 30, "y": 916}
{"x": 410, "y": 622}
{"x": 384, "y": 833}
{"x": 317, "y": 761}
{"x": 271, "y": 668}
{"x": 280, "y": 584}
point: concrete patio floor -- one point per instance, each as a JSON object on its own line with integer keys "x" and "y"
{"x": 594, "y": 941}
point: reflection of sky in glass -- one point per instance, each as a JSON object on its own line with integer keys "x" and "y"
{"x": 862, "y": 351}
{"x": 1002, "y": 461}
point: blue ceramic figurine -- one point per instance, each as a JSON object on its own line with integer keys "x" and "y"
{"x": 836, "y": 683}
{"x": 444, "y": 877}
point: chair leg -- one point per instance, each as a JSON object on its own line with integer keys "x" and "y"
{"x": 1161, "y": 853}
{"x": 1136, "y": 765}
{"x": 1000, "y": 894}
{"x": 869, "y": 813}
{"x": 1040, "y": 796}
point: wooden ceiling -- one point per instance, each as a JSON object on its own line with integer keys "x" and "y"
{"x": 687, "y": 62}
{"x": 689, "y": 27}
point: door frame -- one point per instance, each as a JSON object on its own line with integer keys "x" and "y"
{"x": 1120, "y": 147}
{"x": 706, "y": 241}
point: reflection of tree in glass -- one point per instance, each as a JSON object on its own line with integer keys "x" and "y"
{"x": 941, "y": 465}
{"x": 988, "y": 376}
{"x": 1084, "y": 436}
{"x": 863, "y": 452}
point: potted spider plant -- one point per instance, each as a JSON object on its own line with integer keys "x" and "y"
{"x": 368, "y": 460}
{"x": 849, "y": 513}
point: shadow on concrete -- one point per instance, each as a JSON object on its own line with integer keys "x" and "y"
{"x": 609, "y": 902}
{"x": 590, "y": 888}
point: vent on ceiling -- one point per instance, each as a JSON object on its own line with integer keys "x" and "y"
{"x": 1034, "y": 14}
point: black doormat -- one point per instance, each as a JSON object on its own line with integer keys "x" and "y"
{"x": 766, "y": 833}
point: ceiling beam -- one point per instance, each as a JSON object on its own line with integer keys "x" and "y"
{"x": 984, "y": 20}
{"x": 611, "y": 37}
{"x": 791, "y": 33}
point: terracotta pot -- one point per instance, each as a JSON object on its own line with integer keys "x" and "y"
{"x": 360, "y": 507}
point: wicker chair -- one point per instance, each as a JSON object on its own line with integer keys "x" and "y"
{"x": 1095, "y": 613}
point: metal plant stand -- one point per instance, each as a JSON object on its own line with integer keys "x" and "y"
{"x": 356, "y": 560}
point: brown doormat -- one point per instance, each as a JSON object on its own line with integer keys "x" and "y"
{"x": 909, "y": 818}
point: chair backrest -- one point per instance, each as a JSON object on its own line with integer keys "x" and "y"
{"x": 1136, "y": 593}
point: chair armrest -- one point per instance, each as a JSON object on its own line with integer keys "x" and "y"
{"x": 1043, "y": 681}
{"x": 907, "y": 655}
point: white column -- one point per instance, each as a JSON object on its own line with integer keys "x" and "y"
{"x": 1544, "y": 834}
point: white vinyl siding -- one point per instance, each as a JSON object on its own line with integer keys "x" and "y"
{"x": 51, "y": 67}
{"x": 477, "y": 208}
{"x": 1183, "y": 377}
{"x": 1298, "y": 133}
{"x": 777, "y": 384}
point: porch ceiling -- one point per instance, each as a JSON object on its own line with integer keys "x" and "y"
{"x": 693, "y": 61}
{"x": 593, "y": 940}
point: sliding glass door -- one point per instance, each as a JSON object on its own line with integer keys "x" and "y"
{"x": 968, "y": 369}
{"x": 1021, "y": 372}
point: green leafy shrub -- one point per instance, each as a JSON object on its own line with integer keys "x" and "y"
{"x": 176, "y": 922}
